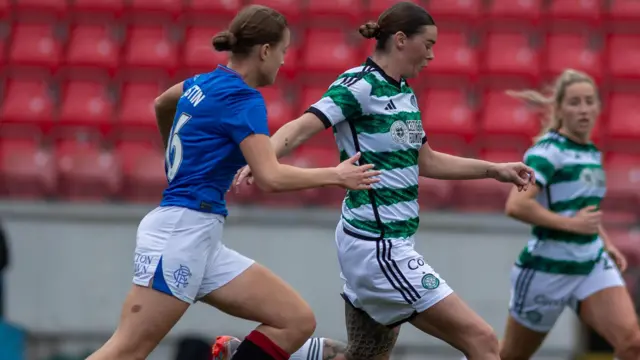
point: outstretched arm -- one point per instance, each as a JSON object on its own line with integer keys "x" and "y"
{"x": 437, "y": 165}
{"x": 295, "y": 133}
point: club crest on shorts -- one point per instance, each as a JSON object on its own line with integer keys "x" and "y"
{"x": 430, "y": 282}
{"x": 533, "y": 316}
{"x": 181, "y": 276}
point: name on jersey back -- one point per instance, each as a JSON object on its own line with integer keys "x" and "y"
{"x": 194, "y": 94}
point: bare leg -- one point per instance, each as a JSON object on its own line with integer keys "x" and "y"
{"x": 519, "y": 342}
{"x": 259, "y": 295}
{"x": 610, "y": 312}
{"x": 452, "y": 321}
{"x": 147, "y": 316}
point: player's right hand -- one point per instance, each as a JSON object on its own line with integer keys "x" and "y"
{"x": 243, "y": 174}
{"x": 354, "y": 177}
{"x": 587, "y": 221}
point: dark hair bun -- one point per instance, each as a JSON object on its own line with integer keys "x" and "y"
{"x": 224, "y": 41}
{"x": 370, "y": 30}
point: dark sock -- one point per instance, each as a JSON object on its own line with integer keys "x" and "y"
{"x": 256, "y": 346}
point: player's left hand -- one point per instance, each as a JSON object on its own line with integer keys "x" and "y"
{"x": 518, "y": 174}
{"x": 617, "y": 257}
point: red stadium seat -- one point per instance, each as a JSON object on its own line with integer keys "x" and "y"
{"x": 511, "y": 54}
{"x": 572, "y": 51}
{"x": 137, "y": 115}
{"x": 26, "y": 170}
{"x": 84, "y": 8}
{"x": 576, "y": 10}
{"x": 227, "y": 8}
{"x": 450, "y": 11}
{"x": 86, "y": 172}
{"x": 623, "y": 182}
{"x": 279, "y": 109}
{"x": 291, "y": 9}
{"x": 453, "y": 56}
{"x": 328, "y": 51}
{"x": 92, "y": 47}
{"x": 505, "y": 116}
{"x": 199, "y": 55}
{"x": 625, "y": 13}
{"x": 144, "y": 178}
{"x": 150, "y": 48}
{"x": 35, "y": 45}
{"x": 41, "y": 7}
{"x": 447, "y": 112}
{"x": 5, "y": 8}
{"x": 521, "y": 11}
{"x": 143, "y": 9}
{"x": 624, "y": 56}
{"x": 86, "y": 105}
{"x": 27, "y": 104}
{"x": 623, "y": 121}
{"x": 486, "y": 195}
{"x": 327, "y": 10}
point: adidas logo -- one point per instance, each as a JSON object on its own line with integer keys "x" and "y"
{"x": 391, "y": 106}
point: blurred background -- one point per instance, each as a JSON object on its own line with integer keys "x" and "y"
{"x": 81, "y": 161}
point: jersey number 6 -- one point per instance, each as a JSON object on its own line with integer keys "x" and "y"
{"x": 175, "y": 146}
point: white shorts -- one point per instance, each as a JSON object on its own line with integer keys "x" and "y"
{"x": 387, "y": 278}
{"x": 538, "y": 298}
{"x": 181, "y": 251}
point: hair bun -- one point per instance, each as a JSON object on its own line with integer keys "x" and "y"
{"x": 370, "y": 30}
{"x": 224, "y": 41}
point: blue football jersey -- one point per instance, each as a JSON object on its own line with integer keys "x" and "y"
{"x": 216, "y": 112}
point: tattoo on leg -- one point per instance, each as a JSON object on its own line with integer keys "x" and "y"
{"x": 333, "y": 350}
{"x": 367, "y": 339}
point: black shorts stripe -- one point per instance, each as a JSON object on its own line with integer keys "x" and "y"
{"x": 404, "y": 278}
{"x": 313, "y": 349}
{"x": 379, "y": 257}
{"x": 523, "y": 283}
{"x": 386, "y": 256}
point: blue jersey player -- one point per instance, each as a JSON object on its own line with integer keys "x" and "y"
{"x": 214, "y": 124}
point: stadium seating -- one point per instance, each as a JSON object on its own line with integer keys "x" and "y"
{"x": 86, "y": 107}
{"x": 86, "y": 172}
{"x": 26, "y": 170}
{"x": 571, "y": 51}
{"x": 35, "y": 46}
{"x": 27, "y": 105}
{"x": 143, "y": 176}
{"x": 91, "y": 47}
{"x": 92, "y": 67}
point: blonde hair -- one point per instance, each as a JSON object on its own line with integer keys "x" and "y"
{"x": 550, "y": 103}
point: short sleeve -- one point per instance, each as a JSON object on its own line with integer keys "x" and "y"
{"x": 342, "y": 101}
{"x": 543, "y": 158}
{"x": 249, "y": 121}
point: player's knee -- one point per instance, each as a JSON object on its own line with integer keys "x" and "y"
{"x": 301, "y": 322}
{"x": 629, "y": 347}
{"x": 484, "y": 340}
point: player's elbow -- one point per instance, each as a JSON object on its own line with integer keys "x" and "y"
{"x": 268, "y": 183}
{"x": 161, "y": 104}
{"x": 513, "y": 208}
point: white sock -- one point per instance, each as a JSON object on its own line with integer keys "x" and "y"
{"x": 311, "y": 350}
